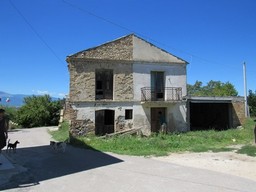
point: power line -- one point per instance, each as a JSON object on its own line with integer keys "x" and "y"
{"x": 133, "y": 31}
{"x": 115, "y": 24}
{"x": 34, "y": 30}
{"x": 97, "y": 16}
{"x": 110, "y": 22}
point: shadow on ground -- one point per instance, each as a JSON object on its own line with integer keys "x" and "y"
{"x": 42, "y": 163}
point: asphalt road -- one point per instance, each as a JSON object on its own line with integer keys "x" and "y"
{"x": 36, "y": 167}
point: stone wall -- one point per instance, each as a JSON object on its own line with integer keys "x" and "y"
{"x": 120, "y": 49}
{"x": 238, "y": 112}
{"x": 123, "y": 82}
{"x": 80, "y": 127}
{"x": 123, "y": 124}
{"x": 118, "y": 55}
{"x": 67, "y": 110}
{"x": 82, "y": 79}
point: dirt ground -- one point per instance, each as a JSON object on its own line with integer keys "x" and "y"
{"x": 224, "y": 162}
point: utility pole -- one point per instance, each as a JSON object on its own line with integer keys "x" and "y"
{"x": 245, "y": 91}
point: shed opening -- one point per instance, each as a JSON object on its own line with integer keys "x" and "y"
{"x": 206, "y": 116}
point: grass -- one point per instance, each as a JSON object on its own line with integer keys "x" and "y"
{"x": 159, "y": 145}
{"x": 248, "y": 150}
{"x": 62, "y": 134}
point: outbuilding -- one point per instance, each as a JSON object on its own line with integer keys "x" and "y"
{"x": 219, "y": 113}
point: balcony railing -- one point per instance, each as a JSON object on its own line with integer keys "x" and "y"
{"x": 165, "y": 94}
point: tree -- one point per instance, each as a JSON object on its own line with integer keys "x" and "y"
{"x": 38, "y": 111}
{"x": 195, "y": 89}
{"x": 10, "y": 112}
{"x": 252, "y": 103}
{"x": 212, "y": 88}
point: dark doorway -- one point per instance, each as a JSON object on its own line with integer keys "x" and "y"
{"x": 104, "y": 84}
{"x": 157, "y": 86}
{"x": 205, "y": 116}
{"x": 104, "y": 122}
{"x": 155, "y": 118}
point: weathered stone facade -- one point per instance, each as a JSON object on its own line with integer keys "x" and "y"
{"x": 120, "y": 49}
{"x": 67, "y": 110}
{"x": 123, "y": 82}
{"x": 123, "y": 124}
{"x": 238, "y": 111}
{"x": 126, "y": 60}
{"x": 82, "y": 79}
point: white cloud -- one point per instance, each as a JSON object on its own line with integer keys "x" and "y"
{"x": 62, "y": 95}
{"x": 43, "y": 92}
{"x": 52, "y": 94}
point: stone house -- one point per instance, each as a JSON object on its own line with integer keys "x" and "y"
{"x": 126, "y": 84}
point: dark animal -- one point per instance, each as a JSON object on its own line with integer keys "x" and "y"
{"x": 58, "y": 146}
{"x": 12, "y": 146}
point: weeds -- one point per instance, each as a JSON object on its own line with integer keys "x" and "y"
{"x": 62, "y": 134}
{"x": 159, "y": 145}
{"x": 248, "y": 150}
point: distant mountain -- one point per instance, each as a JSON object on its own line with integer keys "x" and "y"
{"x": 14, "y": 100}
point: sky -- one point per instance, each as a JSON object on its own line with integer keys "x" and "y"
{"x": 215, "y": 36}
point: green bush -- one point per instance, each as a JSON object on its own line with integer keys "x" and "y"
{"x": 252, "y": 103}
{"x": 38, "y": 111}
{"x": 11, "y": 112}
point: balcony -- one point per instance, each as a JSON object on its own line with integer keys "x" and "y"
{"x": 165, "y": 94}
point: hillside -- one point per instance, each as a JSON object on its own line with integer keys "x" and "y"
{"x": 15, "y": 100}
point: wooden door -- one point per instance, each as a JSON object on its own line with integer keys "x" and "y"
{"x": 104, "y": 122}
{"x": 155, "y": 118}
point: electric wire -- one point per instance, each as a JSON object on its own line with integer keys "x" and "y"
{"x": 110, "y": 22}
{"x": 133, "y": 31}
{"x": 144, "y": 36}
{"x": 35, "y": 32}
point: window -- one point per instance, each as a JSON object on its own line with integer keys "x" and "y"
{"x": 104, "y": 84}
{"x": 128, "y": 114}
